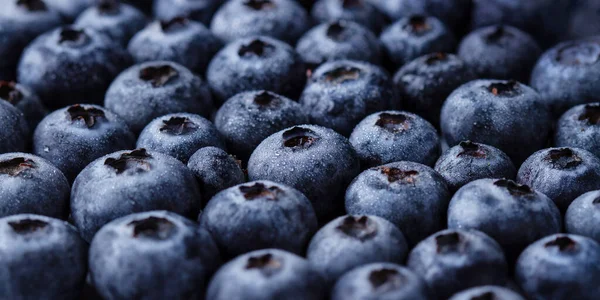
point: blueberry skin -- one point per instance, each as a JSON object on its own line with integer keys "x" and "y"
{"x": 360, "y": 12}
{"x": 497, "y": 113}
{"x": 410, "y": 195}
{"x": 284, "y": 20}
{"x": 247, "y": 118}
{"x": 514, "y": 215}
{"x": 424, "y": 83}
{"x": 117, "y": 20}
{"x": 340, "y": 94}
{"x": 391, "y": 136}
{"x": 339, "y": 40}
{"x": 31, "y": 185}
{"x": 149, "y": 90}
{"x": 72, "y": 137}
{"x": 269, "y": 274}
{"x": 562, "y": 174}
{"x": 215, "y": 170}
{"x": 583, "y": 216}
{"x": 57, "y": 66}
{"x": 69, "y": 9}
{"x": 577, "y": 258}
{"x": 179, "y": 135}
{"x": 25, "y": 100}
{"x": 578, "y": 128}
{"x": 147, "y": 180}
{"x": 15, "y": 132}
{"x": 490, "y": 291}
{"x": 198, "y": 10}
{"x": 315, "y": 160}
{"x": 453, "y": 260}
{"x": 384, "y": 281}
{"x": 131, "y": 257}
{"x": 584, "y": 19}
{"x": 500, "y": 52}
{"x": 414, "y": 36}
{"x": 259, "y": 215}
{"x": 256, "y": 63}
{"x": 353, "y": 240}
{"x": 180, "y": 40}
{"x": 563, "y": 75}
{"x": 468, "y": 161}
{"x": 35, "y": 251}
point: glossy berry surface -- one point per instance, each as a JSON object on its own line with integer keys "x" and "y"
{"x": 215, "y": 170}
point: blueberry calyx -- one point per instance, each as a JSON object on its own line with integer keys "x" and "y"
{"x": 448, "y": 242}
{"x": 342, "y": 74}
{"x": 260, "y": 191}
{"x": 504, "y": 89}
{"x": 267, "y": 264}
{"x": 299, "y": 138}
{"x": 16, "y": 166}
{"x": 335, "y": 30}
{"x": 393, "y": 123}
{"x": 386, "y": 279}
{"x": 471, "y": 149}
{"x": 153, "y": 228}
{"x": 89, "y": 116}
{"x": 9, "y": 92}
{"x": 259, "y": 4}
{"x": 564, "y": 244}
{"x": 173, "y": 24}
{"x": 417, "y": 24}
{"x": 73, "y": 37}
{"x": 485, "y": 296}
{"x": 158, "y": 76}
{"x": 361, "y": 228}
{"x": 255, "y": 48}
{"x": 514, "y": 188}
{"x": 32, "y": 5}
{"x": 108, "y": 7}
{"x": 27, "y": 226}
{"x": 497, "y": 34}
{"x": 178, "y": 126}
{"x": 591, "y": 114}
{"x": 435, "y": 58}
{"x": 134, "y": 160}
{"x": 596, "y": 201}
{"x": 563, "y": 158}
{"x": 264, "y": 99}
{"x": 397, "y": 175}
{"x": 587, "y": 53}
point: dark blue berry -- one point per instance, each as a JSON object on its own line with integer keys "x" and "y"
{"x": 69, "y": 9}
{"x": 15, "y": 132}
{"x": 198, "y": 10}
{"x": 579, "y": 127}
{"x": 487, "y": 292}
{"x": 215, "y": 170}
{"x": 584, "y": 19}
{"x": 25, "y": 100}
{"x": 359, "y": 11}
{"x": 583, "y": 216}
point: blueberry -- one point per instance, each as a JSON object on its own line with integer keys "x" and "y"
{"x": 315, "y": 160}
{"x": 339, "y": 40}
{"x": 246, "y": 119}
{"x": 74, "y": 136}
{"x": 69, "y": 9}
{"x": 500, "y": 52}
{"x": 507, "y": 115}
{"x": 15, "y": 131}
{"x": 152, "y": 255}
{"x": 560, "y": 267}
{"x": 453, "y": 260}
{"x": 340, "y": 94}
{"x": 352, "y": 241}
{"x": 179, "y": 40}
{"x": 215, "y": 170}
{"x": 579, "y": 128}
{"x": 426, "y": 82}
{"x": 359, "y": 11}
{"x": 412, "y": 196}
{"x": 31, "y": 185}
{"x": 153, "y": 89}
{"x": 583, "y": 216}
{"x": 257, "y": 63}
{"x": 488, "y": 292}
{"x": 584, "y": 19}
{"x": 562, "y": 174}
{"x": 411, "y": 37}
{"x": 269, "y": 274}
{"x": 284, "y": 20}
{"x": 179, "y": 135}
{"x": 512, "y": 214}
{"x": 25, "y": 100}
{"x": 118, "y": 21}
{"x": 59, "y": 65}
{"x": 259, "y": 215}
{"x": 198, "y": 10}
{"x": 470, "y": 161}
{"x": 384, "y": 281}
{"x": 392, "y": 136}
{"x": 36, "y": 251}
{"x": 126, "y": 182}
{"x": 546, "y": 20}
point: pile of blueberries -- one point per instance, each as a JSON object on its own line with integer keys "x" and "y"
{"x": 298, "y": 149}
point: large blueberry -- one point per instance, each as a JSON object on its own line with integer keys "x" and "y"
{"x": 215, "y": 170}
{"x": 579, "y": 127}
{"x": 583, "y": 216}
